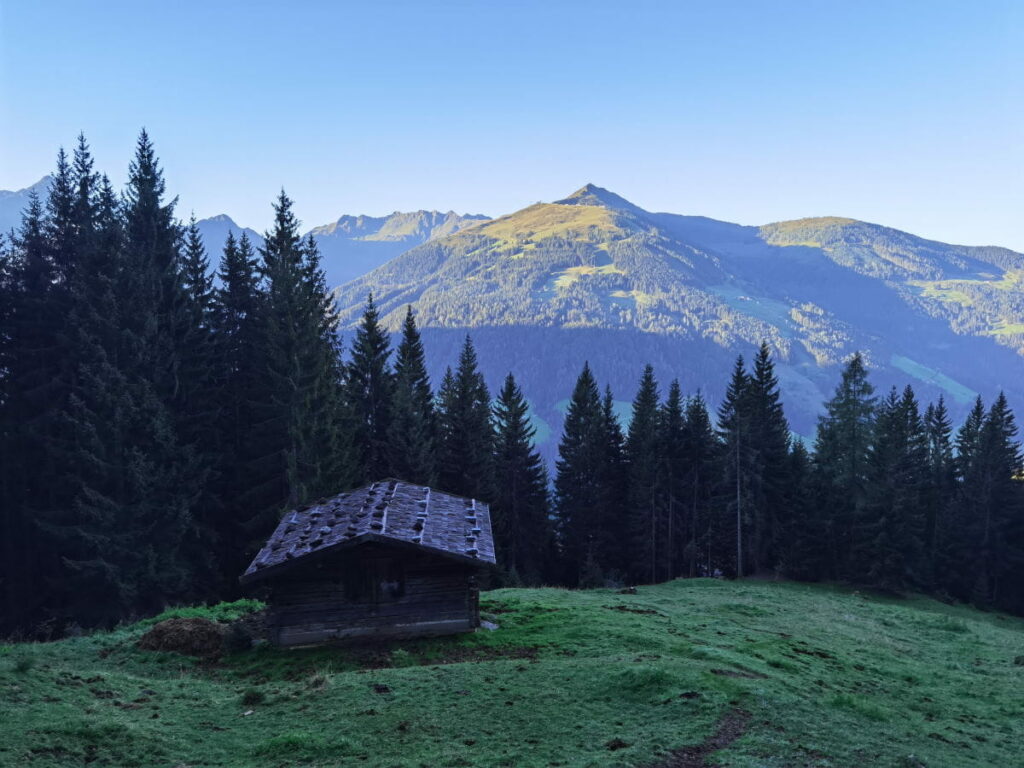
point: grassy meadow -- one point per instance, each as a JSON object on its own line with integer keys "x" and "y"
{"x": 688, "y": 673}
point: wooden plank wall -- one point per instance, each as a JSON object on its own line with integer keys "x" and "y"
{"x": 311, "y": 605}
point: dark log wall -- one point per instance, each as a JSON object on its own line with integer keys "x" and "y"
{"x": 372, "y": 592}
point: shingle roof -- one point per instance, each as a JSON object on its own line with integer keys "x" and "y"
{"x": 390, "y": 511}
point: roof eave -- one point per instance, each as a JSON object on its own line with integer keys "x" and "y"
{"x": 365, "y": 538}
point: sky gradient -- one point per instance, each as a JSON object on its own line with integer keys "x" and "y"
{"x": 909, "y": 114}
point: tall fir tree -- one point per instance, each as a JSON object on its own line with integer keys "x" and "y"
{"x": 579, "y": 482}
{"x": 671, "y": 477}
{"x": 28, "y": 331}
{"x": 465, "y": 433}
{"x": 646, "y": 527}
{"x": 703, "y": 469}
{"x": 155, "y": 323}
{"x": 102, "y": 550}
{"x": 841, "y": 455}
{"x": 236, "y": 312}
{"x": 613, "y": 489}
{"x": 767, "y": 475}
{"x": 38, "y": 366}
{"x": 369, "y": 390}
{"x": 997, "y": 530}
{"x": 413, "y": 428}
{"x": 61, "y": 232}
{"x": 729, "y": 543}
{"x": 802, "y": 544}
{"x": 888, "y": 536}
{"x": 303, "y": 448}
{"x": 85, "y": 207}
{"x": 962, "y": 552}
{"x": 940, "y": 492}
{"x": 520, "y": 511}
{"x": 196, "y": 414}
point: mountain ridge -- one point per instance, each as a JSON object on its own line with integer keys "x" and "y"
{"x": 350, "y": 246}
{"x": 594, "y": 277}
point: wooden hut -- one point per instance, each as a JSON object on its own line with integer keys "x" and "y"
{"x": 392, "y": 559}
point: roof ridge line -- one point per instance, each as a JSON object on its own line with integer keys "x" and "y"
{"x": 387, "y": 506}
{"x": 426, "y": 512}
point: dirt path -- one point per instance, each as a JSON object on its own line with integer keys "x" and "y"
{"x": 730, "y": 727}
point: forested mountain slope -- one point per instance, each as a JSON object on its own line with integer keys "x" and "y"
{"x": 594, "y": 277}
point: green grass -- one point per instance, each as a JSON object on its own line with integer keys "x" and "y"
{"x": 543, "y": 221}
{"x": 959, "y": 392}
{"x": 1006, "y": 328}
{"x": 830, "y": 678}
{"x": 222, "y": 612}
{"x": 944, "y": 290}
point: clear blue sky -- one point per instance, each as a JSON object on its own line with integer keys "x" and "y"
{"x": 905, "y": 113}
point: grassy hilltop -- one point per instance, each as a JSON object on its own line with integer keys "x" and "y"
{"x": 688, "y": 673}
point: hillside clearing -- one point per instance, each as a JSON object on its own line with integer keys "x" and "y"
{"x": 688, "y": 673}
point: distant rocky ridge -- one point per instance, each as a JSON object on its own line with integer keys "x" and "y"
{"x": 12, "y": 203}
{"x": 349, "y": 247}
{"x": 354, "y": 245}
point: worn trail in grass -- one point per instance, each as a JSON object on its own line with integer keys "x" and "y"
{"x": 719, "y": 673}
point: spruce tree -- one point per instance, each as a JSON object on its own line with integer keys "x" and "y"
{"x": 887, "y": 547}
{"x": 236, "y": 312}
{"x": 154, "y": 320}
{"x": 962, "y": 553}
{"x": 671, "y": 476}
{"x": 87, "y": 185}
{"x": 996, "y": 531}
{"x": 38, "y": 366}
{"x": 578, "y": 483}
{"x": 702, "y": 463}
{"x": 369, "y": 390}
{"x": 157, "y": 313}
{"x": 646, "y": 528}
{"x": 413, "y": 423}
{"x": 613, "y": 535}
{"x": 197, "y": 406}
{"x": 465, "y": 432}
{"x": 302, "y": 446}
{"x": 60, "y": 225}
{"x": 520, "y": 511}
{"x": 841, "y": 452}
{"x": 940, "y": 492}
{"x": 767, "y": 475}
{"x": 802, "y": 544}
{"x": 728, "y": 545}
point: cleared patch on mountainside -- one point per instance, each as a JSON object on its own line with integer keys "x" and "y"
{"x": 567, "y": 277}
{"x": 812, "y": 232}
{"x": 955, "y": 389}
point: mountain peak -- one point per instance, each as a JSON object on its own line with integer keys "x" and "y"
{"x": 591, "y": 194}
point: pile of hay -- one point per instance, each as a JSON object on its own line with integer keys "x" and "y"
{"x": 192, "y": 637}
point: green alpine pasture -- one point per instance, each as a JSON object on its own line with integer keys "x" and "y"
{"x": 792, "y": 675}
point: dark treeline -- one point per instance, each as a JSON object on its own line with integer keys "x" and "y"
{"x": 891, "y": 497}
{"x": 156, "y": 421}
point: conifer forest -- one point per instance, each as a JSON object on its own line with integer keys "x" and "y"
{"x": 164, "y": 400}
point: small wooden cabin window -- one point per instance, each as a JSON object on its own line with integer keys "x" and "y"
{"x": 373, "y": 581}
